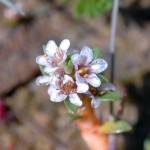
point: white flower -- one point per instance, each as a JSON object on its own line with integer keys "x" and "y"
{"x": 62, "y": 86}
{"x": 54, "y": 56}
{"x": 87, "y": 68}
{"x": 67, "y": 88}
{"x": 48, "y": 80}
{"x": 43, "y": 80}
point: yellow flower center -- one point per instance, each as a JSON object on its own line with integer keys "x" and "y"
{"x": 83, "y": 71}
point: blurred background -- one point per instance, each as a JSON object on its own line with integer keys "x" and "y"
{"x": 28, "y": 120}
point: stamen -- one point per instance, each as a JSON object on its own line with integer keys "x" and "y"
{"x": 68, "y": 87}
{"x": 83, "y": 71}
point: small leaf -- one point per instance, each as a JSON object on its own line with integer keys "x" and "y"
{"x": 65, "y": 2}
{"x": 103, "y": 78}
{"x": 115, "y": 127}
{"x": 106, "y": 87}
{"x": 147, "y": 144}
{"x": 74, "y": 116}
{"x": 68, "y": 65}
{"x": 110, "y": 96}
{"x": 97, "y": 52}
{"x": 92, "y": 8}
{"x": 71, "y": 107}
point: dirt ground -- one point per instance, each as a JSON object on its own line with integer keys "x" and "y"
{"x": 31, "y": 121}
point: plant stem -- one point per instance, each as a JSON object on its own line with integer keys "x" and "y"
{"x": 90, "y": 113}
{"x": 112, "y": 46}
{"x": 89, "y": 127}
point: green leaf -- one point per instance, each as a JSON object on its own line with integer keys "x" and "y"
{"x": 74, "y": 116}
{"x": 68, "y": 65}
{"x": 115, "y": 127}
{"x": 92, "y": 8}
{"x": 147, "y": 144}
{"x": 110, "y": 96}
{"x": 66, "y": 1}
{"x": 97, "y": 52}
{"x": 103, "y": 78}
{"x": 71, "y": 107}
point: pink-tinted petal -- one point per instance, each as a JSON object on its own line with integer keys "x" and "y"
{"x": 98, "y": 66}
{"x": 55, "y": 81}
{"x": 87, "y": 53}
{"x": 51, "y": 48}
{"x": 75, "y": 99}
{"x": 75, "y": 59}
{"x": 43, "y": 80}
{"x": 79, "y": 79}
{"x": 50, "y": 70}
{"x": 78, "y": 60}
{"x": 93, "y": 80}
{"x": 63, "y": 58}
{"x": 82, "y": 87}
{"x": 56, "y": 95}
{"x": 41, "y": 60}
{"x": 67, "y": 78}
{"x": 60, "y": 72}
{"x": 64, "y": 45}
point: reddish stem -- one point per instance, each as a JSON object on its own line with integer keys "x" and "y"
{"x": 89, "y": 127}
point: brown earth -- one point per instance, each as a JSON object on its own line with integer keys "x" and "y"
{"x": 43, "y": 125}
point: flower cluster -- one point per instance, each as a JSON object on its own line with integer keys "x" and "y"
{"x": 82, "y": 79}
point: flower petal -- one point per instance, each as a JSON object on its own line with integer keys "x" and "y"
{"x": 98, "y": 66}
{"x": 75, "y": 99}
{"x": 82, "y": 87}
{"x": 43, "y": 80}
{"x": 95, "y": 102}
{"x": 78, "y": 60}
{"x": 88, "y": 53}
{"x": 55, "y": 82}
{"x": 56, "y": 95}
{"x": 41, "y": 60}
{"x": 75, "y": 58}
{"x": 67, "y": 78}
{"x": 93, "y": 80}
{"x": 51, "y": 48}
{"x": 79, "y": 79}
{"x": 64, "y": 45}
{"x": 64, "y": 58}
{"x": 50, "y": 70}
